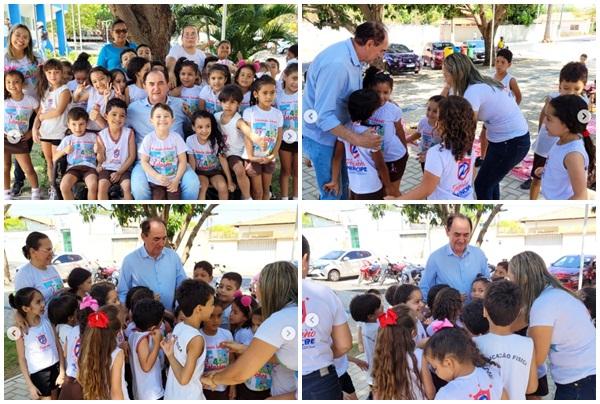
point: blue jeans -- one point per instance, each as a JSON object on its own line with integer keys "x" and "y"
{"x": 499, "y": 160}
{"x": 190, "y": 184}
{"x": 321, "y": 385}
{"x": 584, "y": 389}
{"x": 321, "y": 157}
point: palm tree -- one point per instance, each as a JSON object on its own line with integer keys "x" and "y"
{"x": 249, "y": 27}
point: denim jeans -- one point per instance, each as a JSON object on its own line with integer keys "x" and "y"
{"x": 584, "y": 389}
{"x": 190, "y": 184}
{"x": 321, "y": 157}
{"x": 318, "y": 387}
{"x": 499, "y": 160}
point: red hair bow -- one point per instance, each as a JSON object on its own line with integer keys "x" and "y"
{"x": 98, "y": 320}
{"x": 388, "y": 318}
{"x": 585, "y": 133}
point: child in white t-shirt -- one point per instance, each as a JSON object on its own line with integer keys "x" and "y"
{"x": 62, "y": 313}
{"x": 187, "y": 88}
{"x": 515, "y": 354}
{"x": 218, "y": 77}
{"x": 163, "y": 155}
{"x": 80, "y": 147}
{"x": 449, "y": 166}
{"x": 411, "y": 296}
{"x": 136, "y": 70}
{"x": 367, "y": 173}
{"x": 217, "y": 357}
{"x": 244, "y": 77}
{"x": 454, "y": 357}
{"x": 426, "y": 129}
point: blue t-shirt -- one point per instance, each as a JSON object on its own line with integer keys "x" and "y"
{"x": 110, "y": 55}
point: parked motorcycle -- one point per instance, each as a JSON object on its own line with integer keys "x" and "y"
{"x": 392, "y": 271}
{"x": 107, "y": 273}
{"x": 369, "y": 271}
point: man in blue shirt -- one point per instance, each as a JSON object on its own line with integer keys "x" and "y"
{"x": 331, "y": 78}
{"x": 457, "y": 263}
{"x": 152, "y": 265}
{"x": 138, "y": 118}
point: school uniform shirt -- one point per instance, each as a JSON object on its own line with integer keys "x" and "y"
{"x": 63, "y": 330}
{"x": 386, "y": 117}
{"x": 17, "y": 114}
{"x": 47, "y": 281}
{"x": 164, "y": 154}
{"x": 288, "y": 105}
{"x": 217, "y": 358}
{"x": 234, "y": 139}
{"x": 429, "y": 135}
{"x": 53, "y": 129}
{"x": 261, "y": 380}
{"x": 29, "y": 70}
{"x": 318, "y": 301}
{"x": 40, "y": 346}
{"x": 193, "y": 390}
{"x": 555, "y": 177}
{"x": 72, "y": 353}
{"x": 191, "y": 97}
{"x": 178, "y": 51}
{"x": 206, "y": 156}
{"x": 146, "y": 385}
{"x": 481, "y": 384}
{"x": 499, "y": 111}
{"x": 506, "y": 83}
{"x": 456, "y": 177}
{"x": 136, "y": 93}
{"x": 245, "y": 101}
{"x": 116, "y": 152}
{"x": 264, "y": 124}
{"x": 83, "y": 150}
{"x": 362, "y": 173}
{"x": 513, "y": 353}
{"x": 113, "y": 356}
{"x": 95, "y": 98}
{"x": 572, "y": 354}
{"x": 272, "y": 331}
{"x": 211, "y": 100}
{"x": 369, "y": 339}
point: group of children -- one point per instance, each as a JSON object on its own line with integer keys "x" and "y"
{"x": 564, "y": 159}
{"x": 85, "y": 344}
{"x": 447, "y": 348}
{"x": 239, "y": 118}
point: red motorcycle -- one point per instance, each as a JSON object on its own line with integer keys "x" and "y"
{"x": 369, "y": 271}
{"x": 108, "y": 273}
{"x": 393, "y": 271}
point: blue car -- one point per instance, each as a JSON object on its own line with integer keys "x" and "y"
{"x": 476, "y": 50}
{"x": 399, "y": 58}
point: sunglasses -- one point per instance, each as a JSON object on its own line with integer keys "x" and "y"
{"x": 121, "y": 31}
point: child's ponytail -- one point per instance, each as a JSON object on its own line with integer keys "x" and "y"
{"x": 456, "y": 342}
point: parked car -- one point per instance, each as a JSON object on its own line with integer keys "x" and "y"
{"x": 66, "y": 262}
{"x": 433, "y": 54}
{"x": 476, "y": 50}
{"x": 339, "y": 263}
{"x": 399, "y": 58}
{"x": 566, "y": 270}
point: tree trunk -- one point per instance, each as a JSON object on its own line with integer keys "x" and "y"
{"x": 487, "y": 223}
{"x": 476, "y": 222}
{"x": 548, "y": 31}
{"x": 485, "y": 26}
{"x": 151, "y": 24}
{"x": 194, "y": 233}
{"x": 183, "y": 230}
{"x": 372, "y": 12}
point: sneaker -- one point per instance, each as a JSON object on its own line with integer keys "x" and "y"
{"x": 478, "y": 161}
{"x": 7, "y": 196}
{"x": 16, "y": 189}
{"x": 52, "y": 194}
{"x": 35, "y": 194}
{"x": 526, "y": 184}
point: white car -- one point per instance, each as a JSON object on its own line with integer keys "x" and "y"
{"x": 338, "y": 264}
{"x": 66, "y": 262}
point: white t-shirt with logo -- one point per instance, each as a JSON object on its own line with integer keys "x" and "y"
{"x": 369, "y": 338}
{"x": 28, "y": 68}
{"x": 556, "y": 183}
{"x": 211, "y": 100}
{"x": 193, "y": 390}
{"x": 481, "y": 384}
{"x": 54, "y": 128}
{"x": 40, "y": 346}
{"x": 47, "y": 281}
{"x": 83, "y": 153}
{"x": 205, "y": 155}
{"x": 163, "y": 153}
{"x": 386, "y": 117}
{"x": 513, "y": 353}
{"x": 72, "y": 353}
{"x": 498, "y": 110}
{"x": 429, "y": 135}
{"x": 146, "y": 385}
{"x": 261, "y": 380}
{"x": 572, "y": 352}
{"x": 116, "y": 152}
{"x": 177, "y": 51}
{"x": 217, "y": 358}
{"x": 456, "y": 177}
{"x": 288, "y": 105}
{"x": 234, "y": 139}
{"x": 362, "y": 173}
{"x": 18, "y": 113}
{"x": 191, "y": 97}
{"x": 271, "y": 331}
{"x": 265, "y": 124}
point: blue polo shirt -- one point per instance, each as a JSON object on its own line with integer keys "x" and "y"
{"x": 110, "y": 55}
{"x": 443, "y": 266}
{"x": 163, "y": 275}
{"x": 332, "y": 77}
{"x": 138, "y": 117}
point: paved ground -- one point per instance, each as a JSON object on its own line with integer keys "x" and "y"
{"x": 536, "y": 78}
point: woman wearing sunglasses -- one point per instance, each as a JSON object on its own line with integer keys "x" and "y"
{"x": 110, "y": 54}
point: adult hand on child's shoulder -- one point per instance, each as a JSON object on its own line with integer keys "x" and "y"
{"x": 369, "y": 139}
